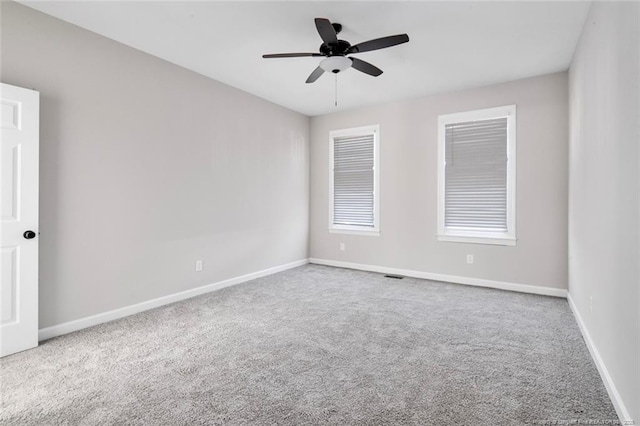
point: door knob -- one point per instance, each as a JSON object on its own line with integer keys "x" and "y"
{"x": 29, "y": 235}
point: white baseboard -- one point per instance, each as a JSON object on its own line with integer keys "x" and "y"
{"x": 621, "y": 409}
{"x": 79, "y": 324}
{"x": 522, "y": 288}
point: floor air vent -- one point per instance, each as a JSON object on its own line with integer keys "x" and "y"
{"x": 395, "y": 277}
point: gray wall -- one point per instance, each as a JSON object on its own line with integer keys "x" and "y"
{"x": 147, "y": 167}
{"x": 408, "y": 175}
{"x": 604, "y": 235}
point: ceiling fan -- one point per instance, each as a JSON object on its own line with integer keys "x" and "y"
{"x": 336, "y": 51}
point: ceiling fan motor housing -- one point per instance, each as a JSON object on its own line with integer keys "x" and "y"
{"x": 332, "y": 49}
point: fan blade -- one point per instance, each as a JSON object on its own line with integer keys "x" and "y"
{"x": 315, "y": 75}
{"x": 290, "y": 55}
{"x": 378, "y": 43}
{"x": 326, "y": 31}
{"x": 365, "y": 67}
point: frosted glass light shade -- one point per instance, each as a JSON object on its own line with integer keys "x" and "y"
{"x": 335, "y": 64}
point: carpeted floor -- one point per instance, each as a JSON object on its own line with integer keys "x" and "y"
{"x": 318, "y": 345}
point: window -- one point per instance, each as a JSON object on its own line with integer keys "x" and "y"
{"x": 476, "y": 176}
{"x": 354, "y": 182}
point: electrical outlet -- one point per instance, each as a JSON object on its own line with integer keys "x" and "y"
{"x": 198, "y": 265}
{"x": 470, "y": 259}
{"x": 342, "y": 247}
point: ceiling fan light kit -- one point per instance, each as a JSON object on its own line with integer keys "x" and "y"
{"x": 335, "y": 64}
{"x": 336, "y": 51}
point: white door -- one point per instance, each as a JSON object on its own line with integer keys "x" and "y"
{"x": 19, "y": 218}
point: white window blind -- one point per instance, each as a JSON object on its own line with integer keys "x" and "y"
{"x": 476, "y": 175}
{"x": 354, "y": 180}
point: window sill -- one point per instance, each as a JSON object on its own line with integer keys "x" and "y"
{"x": 501, "y": 241}
{"x": 353, "y": 230}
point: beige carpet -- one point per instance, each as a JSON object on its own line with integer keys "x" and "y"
{"x": 318, "y": 345}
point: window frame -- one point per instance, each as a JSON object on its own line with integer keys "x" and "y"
{"x": 356, "y": 229}
{"x": 469, "y": 235}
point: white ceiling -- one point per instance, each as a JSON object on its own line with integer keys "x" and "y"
{"x": 453, "y": 45}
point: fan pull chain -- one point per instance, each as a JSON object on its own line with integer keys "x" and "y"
{"x": 336, "y": 103}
